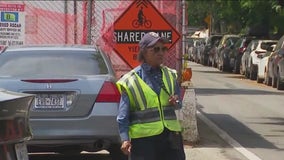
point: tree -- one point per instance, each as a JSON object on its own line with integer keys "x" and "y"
{"x": 255, "y": 17}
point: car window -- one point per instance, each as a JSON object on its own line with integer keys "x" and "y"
{"x": 250, "y": 46}
{"x": 266, "y": 45}
{"x": 254, "y": 45}
{"x": 228, "y": 42}
{"x": 52, "y": 63}
{"x": 239, "y": 43}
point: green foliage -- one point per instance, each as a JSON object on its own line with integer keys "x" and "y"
{"x": 238, "y": 15}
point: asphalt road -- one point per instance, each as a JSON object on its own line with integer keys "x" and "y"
{"x": 250, "y": 113}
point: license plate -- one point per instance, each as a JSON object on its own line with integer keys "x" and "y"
{"x": 50, "y": 101}
{"x": 21, "y": 151}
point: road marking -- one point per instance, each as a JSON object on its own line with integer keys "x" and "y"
{"x": 227, "y": 138}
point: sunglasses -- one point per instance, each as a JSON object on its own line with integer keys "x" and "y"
{"x": 158, "y": 49}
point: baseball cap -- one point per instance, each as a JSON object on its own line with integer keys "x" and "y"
{"x": 150, "y": 39}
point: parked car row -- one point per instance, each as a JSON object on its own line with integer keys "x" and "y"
{"x": 195, "y": 48}
{"x": 210, "y": 50}
{"x": 256, "y": 58}
{"x": 226, "y": 44}
{"x": 274, "y": 74}
{"x": 252, "y": 56}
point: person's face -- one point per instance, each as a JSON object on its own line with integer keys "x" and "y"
{"x": 154, "y": 55}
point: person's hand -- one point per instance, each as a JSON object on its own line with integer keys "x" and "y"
{"x": 174, "y": 100}
{"x": 126, "y": 147}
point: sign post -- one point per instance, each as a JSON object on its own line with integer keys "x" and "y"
{"x": 138, "y": 19}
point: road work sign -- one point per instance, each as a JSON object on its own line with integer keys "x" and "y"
{"x": 138, "y": 19}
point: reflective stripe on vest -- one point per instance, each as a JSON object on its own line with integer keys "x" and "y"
{"x": 152, "y": 115}
{"x": 136, "y": 90}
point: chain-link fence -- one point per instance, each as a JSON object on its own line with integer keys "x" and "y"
{"x": 80, "y": 22}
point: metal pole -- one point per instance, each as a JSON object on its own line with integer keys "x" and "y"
{"x": 89, "y": 21}
{"x": 75, "y": 21}
{"x": 183, "y": 31}
{"x": 65, "y": 21}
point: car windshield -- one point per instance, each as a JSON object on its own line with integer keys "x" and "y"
{"x": 51, "y": 62}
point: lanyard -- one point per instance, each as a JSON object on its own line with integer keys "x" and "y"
{"x": 159, "y": 81}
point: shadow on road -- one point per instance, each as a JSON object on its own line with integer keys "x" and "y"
{"x": 240, "y": 132}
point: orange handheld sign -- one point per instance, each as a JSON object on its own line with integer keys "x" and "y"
{"x": 138, "y": 19}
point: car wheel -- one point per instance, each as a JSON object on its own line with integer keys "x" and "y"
{"x": 236, "y": 69}
{"x": 224, "y": 67}
{"x": 201, "y": 60}
{"x": 268, "y": 81}
{"x": 247, "y": 73}
{"x": 241, "y": 69}
{"x": 208, "y": 62}
{"x": 280, "y": 85}
{"x": 116, "y": 153}
{"x": 259, "y": 80}
{"x": 274, "y": 82}
{"x": 253, "y": 73}
{"x": 219, "y": 66}
{"x": 195, "y": 59}
{"x": 214, "y": 64}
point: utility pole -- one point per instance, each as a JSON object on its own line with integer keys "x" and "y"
{"x": 75, "y": 21}
{"x": 183, "y": 30}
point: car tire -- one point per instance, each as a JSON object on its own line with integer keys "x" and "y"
{"x": 279, "y": 85}
{"x": 259, "y": 80}
{"x": 268, "y": 81}
{"x": 224, "y": 67}
{"x": 214, "y": 64}
{"x": 274, "y": 82}
{"x": 241, "y": 69}
{"x": 219, "y": 66}
{"x": 253, "y": 72}
{"x": 247, "y": 75}
{"x": 116, "y": 153}
{"x": 209, "y": 63}
{"x": 236, "y": 69}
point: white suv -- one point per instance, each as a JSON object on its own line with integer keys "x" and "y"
{"x": 256, "y": 55}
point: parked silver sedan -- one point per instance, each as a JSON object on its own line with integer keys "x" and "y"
{"x": 76, "y": 99}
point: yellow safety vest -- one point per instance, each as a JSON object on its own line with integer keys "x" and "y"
{"x": 149, "y": 112}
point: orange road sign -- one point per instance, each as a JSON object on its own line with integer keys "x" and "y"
{"x": 207, "y": 19}
{"x": 138, "y": 19}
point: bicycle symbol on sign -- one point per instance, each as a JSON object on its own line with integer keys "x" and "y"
{"x": 141, "y": 20}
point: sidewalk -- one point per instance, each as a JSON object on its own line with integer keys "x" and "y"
{"x": 210, "y": 146}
